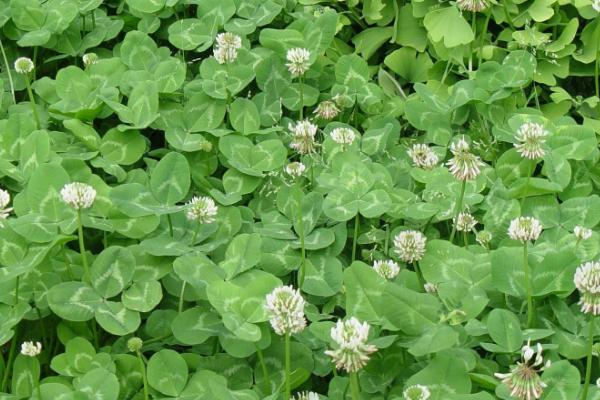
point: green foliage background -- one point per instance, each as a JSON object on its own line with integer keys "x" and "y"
{"x": 157, "y": 120}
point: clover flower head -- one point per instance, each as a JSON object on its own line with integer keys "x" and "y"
{"x": 298, "y": 61}
{"x": 410, "y": 245}
{"x": 430, "y": 288}
{"x": 226, "y": 48}
{"x": 531, "y": 137}
{"x": 524, "y": 229}
{"x": 78, "y": 195}
{"x": 31, "y": 349}
{"x": 4, "y": 202}
{"x": 483, "y": 238}
{"x": 464, "y": 165}
{"x": 327, "y": 109}
{"x": 422, "y": 156}
{"x": 201, "y": 209}
{"x": 523, "y": 380}
{"x": 306, "y": 396}
{"x": 416, "y": 392}
{"x": 464, "y": 222}
{"x": 286, "y": 309}
{"x": 580, "y": 232}
{"x": 596, "y": 5}
{"x": 587, "y": 281}
{"x": 23, "y": 65}
{"x": 344, "y": 136}
{"x": 352, "y": 352}
{"x": 90, "y": 59}
{"x": 303, "y": 136}
{"x": 135, "y": 344}
{"x": 387, "y": 269}
{"x": 472, "y": 5}
{"x": 295, "y": 169}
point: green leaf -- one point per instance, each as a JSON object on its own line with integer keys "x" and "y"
{"x": 112, "y": 271}
{"x": 73, "y": 301}
{"x": 123, "y": 148}
{"x": 170, "y": 179}
{"x": 114, "y": 318}
{"x": 242, "y": 254}
{"x": 244, "y": 116}
{"x": 167, "y": 372}
{"x": 504, "y": 329}
{"x": 408, "y": 311}
{"x": 99, "y": 384}
{"x": 438, "y": 21}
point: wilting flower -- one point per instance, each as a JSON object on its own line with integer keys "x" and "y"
{"x": 387, "y": 269}
{"x": 430, "y": 287}
{"x": 78, "y": 195}
{"x": 523, "y": 380}
{"x": 226, "y": 49}
{"x": 303, "y": 136}
{"x": 295, "y": 169}
{"x": 596, "y": 5}
{"x": 352, "y": 352}
{"x": 90, "y": 58}
{"x": 587, "y": 281}
{"x": 4, "y": 201}
{"x": 306, "y": 396}
{"x": 524, "y": 229}
{"x": 135, "y": 344}
{"x": 464, "y": 222}
{"x": 327, "y": 110}
{"x": 464, "y": 165}
{"x": 298, "y": 61}
{"x": 422, "y": 156}
{"x": 201, "y": 209}
{"x": 531, "y": 140}
{"x": 483, "y": 238}
{"x": 286, "y": 308}
{"x": 580, "y": 232}
{"x": 416, "y": 392}
{"x": 31, "y": 349}
{"x": 410, "y": 245}
{"x": 343, "y": 136}
{"x": 472, "y": 5}
{"x": 23, "y": 65}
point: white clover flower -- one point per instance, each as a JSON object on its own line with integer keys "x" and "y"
{"x": 90, "y": 59}
{"x": 286, "y": 308}
{"x": 352, "y": 352}
{"x": 295, "y": 169}
{"x": 464, "y": 165}
{"x": 523, "y": 380}
{"x": 587, "y": 281}
{"x": 303, "y": 136}
{"x": 422, "y": 156}
{"x": 201, "y": 209}
{"x": 430, "y": 288}
{"x": 410, "y": 245}
{"x": 582, "y": 233}
{"x": 531, "y": 140}
{"x": 464, "y": 222}
{"x": 472, "y": 5}
{"x": 483, "y": 238}
{"x": 226, "y": 48}
{"x": 4, "y": 202}
{"x": 598, "y": 380}
{"x": 306, "y": 396}
{"x": 24, "y": 65}
{"x": 31, "y": 349}
{"x": 327, "y": 110}
{"x": 298, "y": 61}
{"x": 524, "y": 229}
{"x": 78, "y": 195}
{"x": 416, "y": 392}
{"x": 596, "y": 5}
{"x": 387, "y": 269}
{"x": 344, "y": 136}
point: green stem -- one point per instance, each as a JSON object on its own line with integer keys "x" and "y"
{"x": 11, "y": 357}
{"x": 181, "y": 294}
{"x": 596, "y": 67}
{"x": 482, "y": 37}
{"x": 288, "y": 383}
{"x": 86, "y": 267}
{"x": 474, "y": 29}
{"x": 458, "y": 207}
{"x": 356, "y": 226}
{"x": 354, "y": 386}
{"x": 7, "y": 67}
{"x": 95, "y": 333}
{"x": 42, "y": 328}
{"x": 195, "y": 235}
{"x": 386, "y": 240}
{"x": 265, "y": 371}
{"x": 530, "y": 311}
{"x": 301, "y": 116}
{"x": 301, "y": 235}
{"x": 419, "y": 274}
{"x": 588, "y": 366}
{"x": 32, "y": 102}
{"x": 170, "y": 225}
{"x": 144, "y": 377}
{"x": 37, "y": 389}
{"x": 17, "y": 291}
{"x": 465, "y": 239}
{"x": 507, "y": 16}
